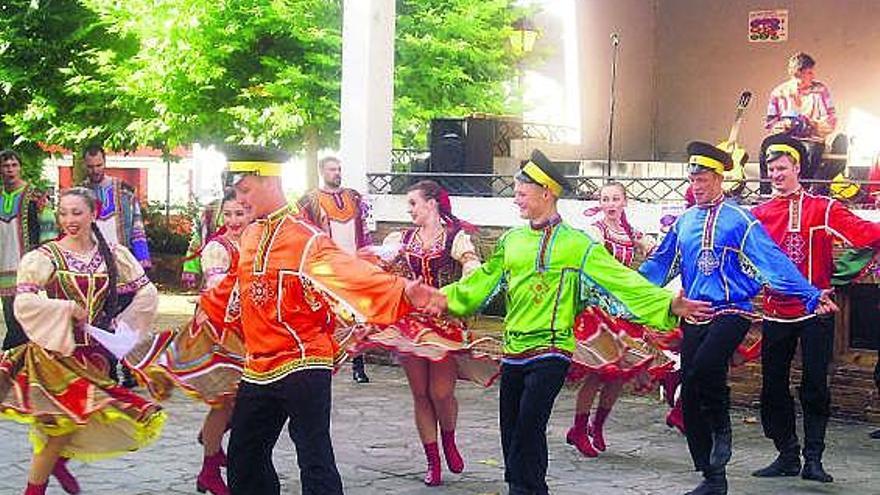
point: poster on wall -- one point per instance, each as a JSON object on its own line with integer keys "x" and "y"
{"x": 768, "y": 26}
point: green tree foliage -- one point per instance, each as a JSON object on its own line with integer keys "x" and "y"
{"x": 165, "y": 73}
{"x": 452, "y": 59}
{"x": 45, "y": 47}
{"x": 261, "y": 71}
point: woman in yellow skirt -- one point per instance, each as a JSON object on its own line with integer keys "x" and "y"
{"x": 59, "y": 381}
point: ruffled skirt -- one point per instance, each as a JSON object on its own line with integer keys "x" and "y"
{"x": 435, "y": 339}
{"x": 203, "y": 362}
{"x": 74, "y": 395}
{"x": 615, "y": 349}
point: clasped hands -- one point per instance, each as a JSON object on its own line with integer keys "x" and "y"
{"x": 426, "y": 298}
{"x": 826, "y": 303}
{"x": 701, "y": 310}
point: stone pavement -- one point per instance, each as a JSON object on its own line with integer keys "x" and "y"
{"x": 378, "y": 451}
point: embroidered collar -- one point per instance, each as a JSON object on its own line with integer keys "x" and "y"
{"x": 277, "y": 214}
{"x": 797, "y": 193}
{"x": 550, "y": 222}
{"x": 712, "y": 204}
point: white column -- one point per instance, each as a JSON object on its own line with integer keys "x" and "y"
{"x": 367, "y": 89}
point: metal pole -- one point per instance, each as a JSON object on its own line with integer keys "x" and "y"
{"x": 615, "y": 46}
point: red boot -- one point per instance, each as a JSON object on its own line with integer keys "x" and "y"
{"x": 65, "y": 477}
{"x": 670, "y": 384}
{"x": 36, "y": 489}
{"x": 209, "y": 479}
{"x": 450, "y": 451}
{"x": 596, "y": 428}
{"x": 577, "y": 436}
{"x": 675, "y": 419}
{"x": 432, "y": 455}
{"x": 223, "y": 461}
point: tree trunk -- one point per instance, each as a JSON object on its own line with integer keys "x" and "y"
{"x": 311, "y": 150}
{"x": 79, "y": 169}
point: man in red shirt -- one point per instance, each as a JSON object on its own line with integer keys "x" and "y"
{"x": 805, "y": 227}
{"x": 292, "y": 280}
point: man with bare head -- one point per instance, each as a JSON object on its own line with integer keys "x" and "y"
{"x": 341, "y": 213}
{"x": 21, "y": 230}
{"x": 120, "y": 217}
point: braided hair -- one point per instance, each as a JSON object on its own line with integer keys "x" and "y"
{"x": 433, "y": 190}
{"x": 111, "y": 303}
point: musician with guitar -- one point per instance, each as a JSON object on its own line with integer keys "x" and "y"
{"x": 801, "y": 107}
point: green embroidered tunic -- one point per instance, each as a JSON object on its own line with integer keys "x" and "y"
{"x": 550, "y": 274}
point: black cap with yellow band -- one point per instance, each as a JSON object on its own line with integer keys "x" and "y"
{"x": 704, "y": 157}
{"x": 542, "y": 171}
{"x": 244, "y": 160}
{"x": 778, "y": 145}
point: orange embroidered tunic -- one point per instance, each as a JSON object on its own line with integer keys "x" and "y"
{"x": 293, "y": 280}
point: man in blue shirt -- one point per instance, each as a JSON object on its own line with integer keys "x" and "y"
{"x": 724, "y": 256}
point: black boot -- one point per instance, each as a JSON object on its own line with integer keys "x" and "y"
{"x": 358, "y": 373}
{"x": 814, "y": 471}
{"x": 814, "y": 447}
{"x": 787, "y": 463}
{"x": 875, "y": 435}
{"x": 714, "y": 483}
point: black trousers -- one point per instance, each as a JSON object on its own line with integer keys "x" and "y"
{"x": 780, "y": 340}
{"x": 260, "y": 412}
{"x": 877, "y": 368}
{"x": 15, "y": 335}
{"x": 357, "y": 363}
{"x": 705, "y": 356}
{"x": 527, "y": 395}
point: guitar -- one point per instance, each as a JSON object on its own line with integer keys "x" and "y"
{"x": 735, "y": 179}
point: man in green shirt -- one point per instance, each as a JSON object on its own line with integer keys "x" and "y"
{"x": 550, "y": 271}
{"x": 26, "y": 221}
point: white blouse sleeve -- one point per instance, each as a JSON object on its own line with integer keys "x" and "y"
{"x": 215, "y": 263}
{"x": 393, "y": 238}
{"x": 464, "y": 251}
{"x": 47, "y": 322}
{"x": 141, "y": 313}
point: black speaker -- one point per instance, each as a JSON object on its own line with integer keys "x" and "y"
{"x": 478, "y": 145}
{"x": 447, "y": 146}
{"x": 462, "y": 146}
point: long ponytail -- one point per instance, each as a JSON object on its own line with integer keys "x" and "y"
{"x": 111, "y": 303}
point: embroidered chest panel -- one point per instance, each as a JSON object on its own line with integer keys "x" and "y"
{"x": 434, "y": 263}
{"x": 338, "y": 206}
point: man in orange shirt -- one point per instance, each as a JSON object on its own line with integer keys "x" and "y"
{"x": 293, "y": 279}
{"x": 341, "y": 213}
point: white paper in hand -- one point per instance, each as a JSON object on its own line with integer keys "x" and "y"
{"x": 119, "y": 343}
{"x": 385, "y": 252}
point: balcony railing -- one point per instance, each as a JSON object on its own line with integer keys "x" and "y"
{"x": 408, "y": 158}
{"x": 507, "y": 130}
{"x": 647, "y": 189}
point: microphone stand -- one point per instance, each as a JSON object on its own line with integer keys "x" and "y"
{"x": 615, "y": 48}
